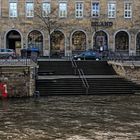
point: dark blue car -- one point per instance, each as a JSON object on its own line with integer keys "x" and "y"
{"x": 33, "y": 49}
{"x": 27, "y": 52}
{"x": 87, "y": 55}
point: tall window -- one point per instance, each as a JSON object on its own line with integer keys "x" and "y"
{"x": 111, "y": 10}
{"x": 29, "y": 9}
{"x": 127, "y": 10}
{"x": 62, "y": 9}
{"x": 95, "y": 9}
{"x": 0, "y": 7}
{"x": 46, "y": 8}
{"x": 79, "y": 10}
{"x": 13, "y": 9}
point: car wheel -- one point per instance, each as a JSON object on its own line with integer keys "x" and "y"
{"x": 78, "y": 58}
{"x": 10, "y": 57}
{"x": 97, "y": 59}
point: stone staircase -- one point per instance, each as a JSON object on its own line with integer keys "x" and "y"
{"x": 116, "y": 85}
{"x": 62, "y": 86}
{"x": 96, "y": 67}
{"x": 59, "y": 78}
{"x": 55, "y": 68}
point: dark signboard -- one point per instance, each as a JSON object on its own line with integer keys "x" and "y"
{"x": 102, "y": 23}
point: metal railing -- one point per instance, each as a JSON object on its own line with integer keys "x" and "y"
{"x": 122, "y": 56}
{"x": 84, "y": 80}
{"x": 74, "y": 65}
{"x": 81, "y": 75}
{"x": 17, "y": 62}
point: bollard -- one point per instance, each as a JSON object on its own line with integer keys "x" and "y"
{"x": 36, "y": 94}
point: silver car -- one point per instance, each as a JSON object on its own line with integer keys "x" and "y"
{"x": 7, "y": 53}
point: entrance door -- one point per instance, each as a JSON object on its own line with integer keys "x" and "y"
{"x": 100, "y": 40}
{"x": 57, "y": 44}
{"x": 13, "y": 41}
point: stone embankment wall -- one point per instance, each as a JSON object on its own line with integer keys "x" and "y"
{"x": 20, "y": 81}
{"x": 127, "y": 69}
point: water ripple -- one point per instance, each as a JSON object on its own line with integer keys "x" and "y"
{"x": 71, "y": 118}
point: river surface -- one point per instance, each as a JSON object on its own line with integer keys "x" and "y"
{"x": 71, "y": 118}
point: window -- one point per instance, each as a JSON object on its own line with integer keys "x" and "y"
{"x": 29, "y": 9}
{"x": 79, "y": 10}
{"x": 95, "y": 9}
{"x": 13, "y": 9}
{"x": 0, "y": 7}
{"x": 127, "y": 10}
{"x": 62, "y": 9}
{"x": 111, "y": 10}
{"x": 46, "y": 9}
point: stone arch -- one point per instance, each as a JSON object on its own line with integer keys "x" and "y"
{"x": 78, "y": 40}
{"x": 122, "y": 41}
{"x": 57, "y": 44}
{"x": 14, "y": 40}
{"x": 138, "y": 43}
{"x": 100, "y": 39}
{"x": 35, "y": 39}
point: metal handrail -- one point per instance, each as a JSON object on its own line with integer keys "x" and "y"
{"x": 120, "y": 56}
{"x": 74, "y": 65}
{"x": 84, "y": 80}
{"x": 81, "y": 75}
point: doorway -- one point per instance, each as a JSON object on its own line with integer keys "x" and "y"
{"x": 13, "y": 41}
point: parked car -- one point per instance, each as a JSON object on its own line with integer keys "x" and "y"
{"x": 87, "y": 55}
{"x": 7, "y": 53}
{"x": 27, "y": 52}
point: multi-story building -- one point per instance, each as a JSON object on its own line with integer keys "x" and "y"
{"x": 65, "y": 26}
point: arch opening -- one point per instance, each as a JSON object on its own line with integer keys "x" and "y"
{"x": 13, "y": 41}
{"x": 138, "y": 44}
{"x": 122, "y": 42}
{"x": 35, "y": 40}
{"x": 78, "y": 41}
{"x": 100, "y": 39}
{"x": 57, "y": 44}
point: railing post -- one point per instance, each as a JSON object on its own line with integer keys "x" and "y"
{"x": 84, "y": 80}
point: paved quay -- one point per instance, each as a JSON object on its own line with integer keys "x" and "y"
{"x": 73, "y": 76}
{"x": 125, "y": 63}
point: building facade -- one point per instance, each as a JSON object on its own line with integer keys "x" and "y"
{"x": 67, "y": 26}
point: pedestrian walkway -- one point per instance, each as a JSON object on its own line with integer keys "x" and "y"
{"x": 75, "y": 76}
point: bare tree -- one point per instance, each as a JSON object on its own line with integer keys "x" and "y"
{"x": 47, "y": 20}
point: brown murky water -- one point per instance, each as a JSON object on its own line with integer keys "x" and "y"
{"x": 71, "y": 118}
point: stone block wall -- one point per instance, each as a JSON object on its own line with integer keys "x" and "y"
{"x": 24, "y": 25}
{"x": 19, "y": 80}
{"x": 130, "y": 72}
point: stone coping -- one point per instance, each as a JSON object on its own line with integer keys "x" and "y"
{"x": 76, "y": 76}
{"x": 125, "y": 63}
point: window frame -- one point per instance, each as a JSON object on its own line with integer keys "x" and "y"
{"x": 78, "y": 11}
{"x": 95, "y": 11}
{"x": 46, "y": 12}
{"x": 127, "y": 11}
{"x": 63, "y": 15}
{"x": 26, "y": 11}
{"x": 111, "y": 10}
{"x": 14, "y": 9}
{"x": 0, "y": 8}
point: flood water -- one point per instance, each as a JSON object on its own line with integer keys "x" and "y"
{"x": 71, "y": 118}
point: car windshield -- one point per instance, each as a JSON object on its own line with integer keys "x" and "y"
{"x": 2, "y": 50}
{"x": 9, "y": 50}
{"x": 88, "y": 53}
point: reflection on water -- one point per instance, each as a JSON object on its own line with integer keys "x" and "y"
{"x": 71, "y": 118}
